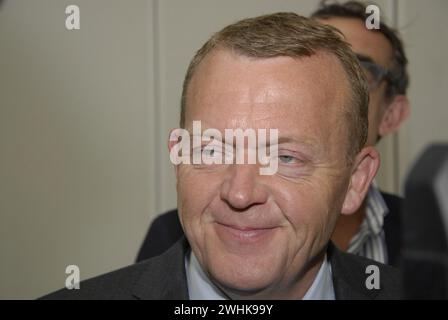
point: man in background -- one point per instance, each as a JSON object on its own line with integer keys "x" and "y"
{"x": 374, "y": 230}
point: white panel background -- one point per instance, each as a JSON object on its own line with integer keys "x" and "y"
{"x": 85, "y": 116}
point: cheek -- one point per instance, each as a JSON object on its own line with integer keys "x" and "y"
{"x": 195, "y": 192}
{"x": 188, "y": 196}
{"x": 309, "y": 208}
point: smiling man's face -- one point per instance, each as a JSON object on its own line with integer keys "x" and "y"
{"x": 260, "y": 235}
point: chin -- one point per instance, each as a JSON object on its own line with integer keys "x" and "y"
{"x": 244, "y": 276}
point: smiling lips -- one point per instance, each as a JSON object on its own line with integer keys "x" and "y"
{"x": 242, "y": 234}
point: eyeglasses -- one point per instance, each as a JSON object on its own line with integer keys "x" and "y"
{"x": 374, "y": 73}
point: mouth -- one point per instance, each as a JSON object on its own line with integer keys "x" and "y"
{"x": 243, "y": 234}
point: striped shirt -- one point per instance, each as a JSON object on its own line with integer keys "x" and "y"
{"x": 370, "y": 241}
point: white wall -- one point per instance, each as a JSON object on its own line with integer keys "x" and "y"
{"x": 76, "y": 162}
{"x": 85, "y": 115}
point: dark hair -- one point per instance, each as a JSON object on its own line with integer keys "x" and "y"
{"x": 399, "y": 82}
{"x": 288, "y": 34}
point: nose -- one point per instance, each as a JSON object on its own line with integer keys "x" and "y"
{"x": 242, "y": 188}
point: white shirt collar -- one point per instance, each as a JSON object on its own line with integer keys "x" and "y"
{"x": 322, "y": 287}
{"x": 201, "y": 288}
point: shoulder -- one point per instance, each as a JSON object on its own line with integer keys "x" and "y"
{"x": 113, "y": 285}
{"x": 161, "y": 277}
{"x": 352, "y": 274}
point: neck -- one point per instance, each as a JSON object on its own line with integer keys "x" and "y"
{"x": 346, "y": 228}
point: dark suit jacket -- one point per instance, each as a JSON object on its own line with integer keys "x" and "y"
{"x": 164, "y": 277}
{"x": 392, "y": 228}
{"x": 166, "y": 230}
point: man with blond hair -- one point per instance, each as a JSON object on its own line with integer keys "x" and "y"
{"x": 254, "y": 236}
{"x": 374, "y": 231}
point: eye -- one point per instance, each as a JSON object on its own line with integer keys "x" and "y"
{"x": 288, "y": 159}
{"x": 209, "y": 152}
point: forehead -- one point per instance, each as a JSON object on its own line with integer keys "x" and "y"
{"x": 304, "y": 98}
{"x": 363, "y": 41}
{"x": 229, "y": 89}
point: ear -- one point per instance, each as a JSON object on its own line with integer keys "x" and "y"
{"x": 364, "y": 170}
{"x": 396, "y": 112}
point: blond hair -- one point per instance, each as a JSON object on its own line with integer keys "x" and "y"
{"x": 288, "y": 34}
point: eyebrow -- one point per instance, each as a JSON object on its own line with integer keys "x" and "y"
{"x": 296, "y": 140}
{"x": 309, "y": 144}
